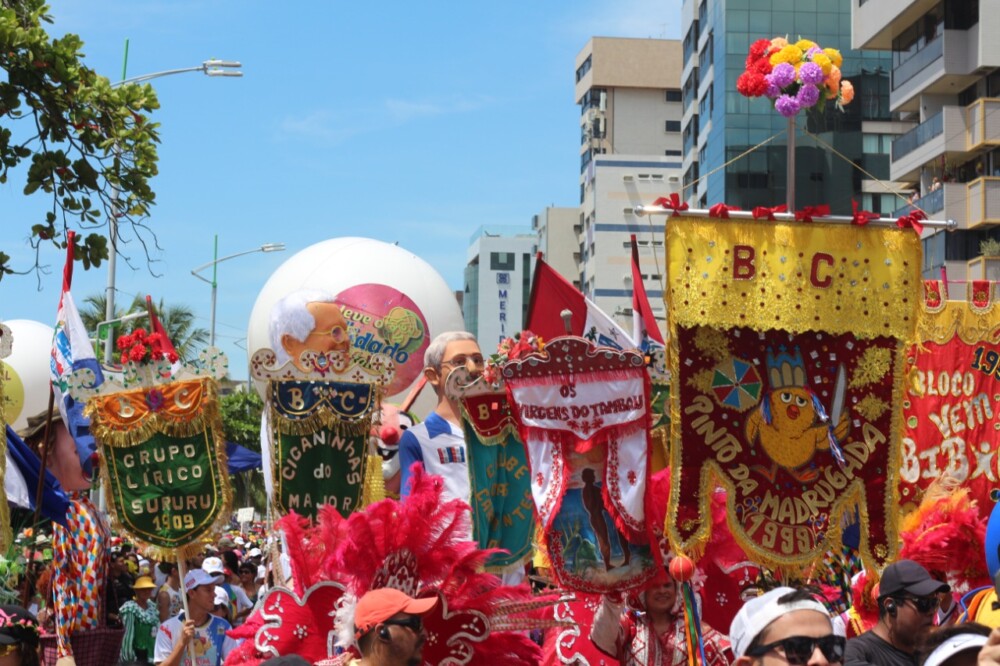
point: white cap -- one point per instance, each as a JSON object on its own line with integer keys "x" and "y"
{"x": 757, "y": 613}
{"x": 197, "y": 578}
{"x": 213, "y": 565}
{"x": 221, "y": 597}
{"x": 954, "y": 645}
{"x": 254, "y": 552}
{"x": 239, "y": 541}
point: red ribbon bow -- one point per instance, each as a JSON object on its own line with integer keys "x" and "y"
{"x": 721, "y": 211}
{"x": 761, "y": 212}
{"x": 861, "y": 217}
{"x": 673, "y": 202}
{"x": 913, "y": 221}
{"x": 807, "y": 213}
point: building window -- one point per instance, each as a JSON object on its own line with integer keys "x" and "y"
{"x": 501, "y": 261}
{"x": 672, "y": 126}
{"x": 584, "y": 68}
{"x": 672, "y": 153}
{"x": 673, "y": 95}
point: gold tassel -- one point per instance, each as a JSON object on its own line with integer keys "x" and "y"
{"x": 374, "y": 490}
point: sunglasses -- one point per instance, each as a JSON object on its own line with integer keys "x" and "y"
{"x": 798, "y": 650}
{"x": 924, "y": 605}
{"x": 413, "y": 623}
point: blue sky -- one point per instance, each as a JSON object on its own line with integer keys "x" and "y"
{"x": 413, "y": 122}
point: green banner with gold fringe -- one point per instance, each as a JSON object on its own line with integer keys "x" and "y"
{"x": 164, "y": 462}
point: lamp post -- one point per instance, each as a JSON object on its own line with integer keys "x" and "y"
{"x": 266, "y": 247}
{"x": 209, "y": 68}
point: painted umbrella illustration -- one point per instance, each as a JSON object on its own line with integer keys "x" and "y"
{"x": 736, "y": 384}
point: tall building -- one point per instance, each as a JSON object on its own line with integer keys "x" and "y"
{"x": 497, "y": 283}
{"x": 719, "y": 124}
{"x": 630, "y": 154}
{"x": 557, "y": 241}
{"x": 944, "y": 58}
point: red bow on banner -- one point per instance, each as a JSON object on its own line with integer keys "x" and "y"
{"x": 912, "y": 220}
{"x": 807, "y": 213}
{"x": 762, "y": 212}
{"x": 721, "y": 211}
{"x": 862, "y": 217}
{"x": 673, "y": 202}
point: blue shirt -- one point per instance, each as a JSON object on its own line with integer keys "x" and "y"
{"x": 439, "y": 445}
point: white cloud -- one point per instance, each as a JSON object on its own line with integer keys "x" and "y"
{"x": 337, "y": 127}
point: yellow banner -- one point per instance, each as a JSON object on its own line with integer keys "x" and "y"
{"x": 796, "y": 277}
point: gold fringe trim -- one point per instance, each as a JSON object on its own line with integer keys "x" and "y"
{"x": 205, "y": 416}
{"x": 321, "y": 418}
{"x": 211, "y": 419}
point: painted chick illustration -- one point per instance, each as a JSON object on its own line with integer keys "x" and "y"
{"x": 791, "y": 423}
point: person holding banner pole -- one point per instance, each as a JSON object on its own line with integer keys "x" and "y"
{"x": 196, "y": 631}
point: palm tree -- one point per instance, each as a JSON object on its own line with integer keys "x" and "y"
{"x": 177, "y": 320}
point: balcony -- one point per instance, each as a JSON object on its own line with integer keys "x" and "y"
{"x": 947, "y": 202}
{"x": 942, "y": 133}
{"x": 983, "y": 200}
{"x": 982, "y": 123}
{"x": 942, "y": 66}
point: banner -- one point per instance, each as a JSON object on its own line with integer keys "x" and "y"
{"x": 583, "y": 414}
{"x": 320, "y": 443}
{"x": 951, "y": 418}
{"x": 787, "y": 350}
{"x": 165, "y": 461}
{"x": 503, "y": 512}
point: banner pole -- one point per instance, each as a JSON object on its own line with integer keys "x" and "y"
{"x": 786, "y": 217}
{"x": 182, "y": 570}
{"x": 790, "y": 176}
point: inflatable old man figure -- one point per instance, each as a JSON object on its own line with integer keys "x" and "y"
{"x": 80, "y": 552}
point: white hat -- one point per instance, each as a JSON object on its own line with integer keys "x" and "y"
{"x": 213, "y": 565}
{"x": 198, "y": 577}
{"x": 954, "y": 645}
{"x": 254, "y": 552}
{"x": 221, "y": 597}
{"x": 757, "y": 613}
{"x": 239, "y": 541}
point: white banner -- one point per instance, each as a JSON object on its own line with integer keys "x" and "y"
{"x": 578, "y": 407}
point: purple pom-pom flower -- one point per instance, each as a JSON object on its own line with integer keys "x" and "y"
{"x": 772, "y": 89}
{"x": 807, "y": 96}
{"x": 787, "y": 105}
{"x": 783, "y": 74}
{"x": 813, "y": 51}
{"x": 811, "y": 73}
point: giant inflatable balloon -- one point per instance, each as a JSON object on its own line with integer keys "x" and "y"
{"x": 394, "y": 302}
{"x": 26, "y": 372}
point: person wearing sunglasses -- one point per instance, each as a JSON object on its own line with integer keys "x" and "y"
{"x": 389, "y": 629}
{"x": 908, "y": 601}
{"x": 786, "y": 626}
{"x": 439, "y": 443}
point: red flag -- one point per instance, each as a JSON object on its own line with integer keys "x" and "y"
{"x": 643, "y": 322}
{"x": 551, "y": 293}
{"x": 156, "y": 327}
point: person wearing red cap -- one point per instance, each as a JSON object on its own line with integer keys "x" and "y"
{"x": 388, "y": 628}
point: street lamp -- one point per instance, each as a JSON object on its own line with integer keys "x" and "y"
{"x": 266, "y": 247}
{"x": 209, "y": 68}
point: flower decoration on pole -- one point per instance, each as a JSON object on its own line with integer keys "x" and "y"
{"x": 794, "y": 76}
{"x": 140, "y": 346}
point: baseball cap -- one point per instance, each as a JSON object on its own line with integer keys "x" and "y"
{"x": 381, "y": 604}
{"x": 954, "y": 645}
{"x": 254, "y": 552}
{"x": 212, "y": 565}
{"x": 198, "y": 577}
{"x": 221, "y": 597}
{"x": 758, "y": 613}
{"x": 143, "y": 583}
{"x": 17, "y": 625}
{"x": 908, "y": 576}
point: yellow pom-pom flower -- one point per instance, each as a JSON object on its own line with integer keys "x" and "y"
{"x": 824, "y": 62}
{"x": 805, "y": 44}
{"x": 790, "y": 54}
{"x": 779, "y": 43}
{"x": 834, "y": 56}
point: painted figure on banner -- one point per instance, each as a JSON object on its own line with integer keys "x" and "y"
{"x": 307, "y": 320}
{"x": 787, "y": 353}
